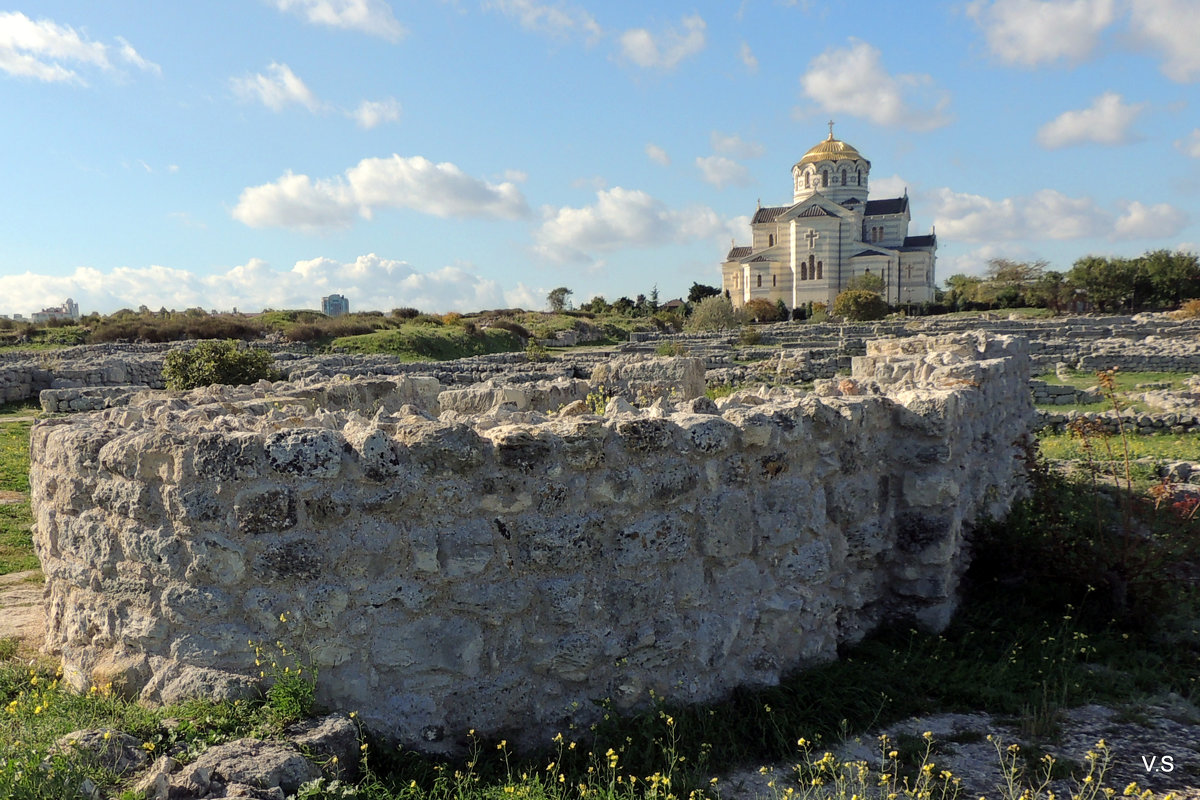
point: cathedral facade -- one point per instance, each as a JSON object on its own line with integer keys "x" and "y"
{"x": 810, "y": 250}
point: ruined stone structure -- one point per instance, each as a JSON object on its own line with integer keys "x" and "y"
{"x": 500, "y": 571}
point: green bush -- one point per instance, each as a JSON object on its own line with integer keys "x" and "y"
{"x": 212, "y": 362}
{"x": 714, "y": 314}
{"x": 859, "y": 305}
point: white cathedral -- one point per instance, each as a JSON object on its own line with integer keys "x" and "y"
{"x": 831, "y": 233}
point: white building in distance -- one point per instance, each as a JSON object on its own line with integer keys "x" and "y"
{"x": 68, "y": 310}
{"x": 810, "y": 250}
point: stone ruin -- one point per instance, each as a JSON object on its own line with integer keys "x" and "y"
{"x": 451, "y": 568}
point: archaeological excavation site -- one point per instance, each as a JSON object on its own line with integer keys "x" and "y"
{"x": 494, "y": 543}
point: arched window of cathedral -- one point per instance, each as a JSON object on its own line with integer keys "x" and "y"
{"x": 807, "y": 180}
{"x": 775, "y": 278}
{"x": 803, "y": 271}
{"x": 824, "y": 177}
{"x": 770, "y": 240}
{"x": 843, "y": 177}
{"x": 819, "y": 270}
{"x": 760, "y": 281}
{"x": 860, "y": 177}
{"x": 910, "y": 273}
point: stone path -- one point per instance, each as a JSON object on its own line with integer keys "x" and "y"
{"x": 21, "y": 612}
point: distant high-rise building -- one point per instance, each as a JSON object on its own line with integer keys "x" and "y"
{"x": 335, "y": 305}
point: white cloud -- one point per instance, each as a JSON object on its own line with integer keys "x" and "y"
{"x": 1032, "y": 32}
{"x": 370, "y": 282}
{"x": 891, "y": 186}
{"x": 559, "y": 21}
{"x": 135, "y": 58}
{"x": 734, "y": 145}
{"x": 43, "y": 50}
{"x": 721, "y": 171}
{"x": 366, "y": 16}
{"x": 1107, "y": 121}
{"x": 748, "y": 58}
{"x": 299, "y": 203}
{"x": 279, "y": 88}
{"x": 1140, "y": 221}
{"x": 1047, "y": 214}
{"x": 658, "y": 155}
{"x": 852, "y": 80}
{"x": 1172, "y": 28}
{"x": 444, "y": 190}
{"x": 1190, "y": 144}
{"x": 372, "y": 113}
{"x": 975, "y": 262}
{"x": 620, "y": 218}
{"x": 668, "y": 48}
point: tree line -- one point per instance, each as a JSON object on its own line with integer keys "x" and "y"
{"x": 1158, "y": 279}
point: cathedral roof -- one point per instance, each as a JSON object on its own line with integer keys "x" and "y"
{"x": 831, "y": 150}
{"x": 769, "y": 214}
{"x": 814, "y": 211}
{"x": 894, "y": 205}
{"x": 929, "y": 240}
{"x": 738, "y": 252}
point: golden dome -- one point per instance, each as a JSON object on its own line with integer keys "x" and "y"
{"x": 831, "y": 150}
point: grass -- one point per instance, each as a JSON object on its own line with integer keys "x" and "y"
{"x": 415, "y": 342}
{"x": 1163, "y": 446}
{"x": 1125, "y": 382}
{"x": 16, "y": 519}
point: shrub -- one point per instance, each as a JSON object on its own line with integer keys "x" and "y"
{"x": 714, "y": 314}
{"x": 1189, "y": 310}
{"x": 405, "y": 313}
{"x": 859, "y": 305}
{"x": 749, "y": 336}
{"x": 214, "y": 362}
{"x": 512, "y": 327}
{"x": 427, "y": 319}
{"x": 761, "y": 311}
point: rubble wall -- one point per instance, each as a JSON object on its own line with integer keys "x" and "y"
{"x": 501, "y": 574}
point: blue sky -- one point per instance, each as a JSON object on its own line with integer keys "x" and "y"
{"x": 468, "y": 154}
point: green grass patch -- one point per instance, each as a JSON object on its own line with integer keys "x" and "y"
{"x": 1125, "y": 381}
{"x": 1165, "y": 446}
{"x": 23, "y": 408}
{"x": 415, "y": 342}
{"x": 14, "y": 456}
{"x": 16, "y": 538}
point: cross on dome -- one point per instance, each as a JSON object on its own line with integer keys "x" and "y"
{"x": 831, "y": 130}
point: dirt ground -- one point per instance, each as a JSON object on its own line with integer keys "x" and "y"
{"x": 21, "y": 613}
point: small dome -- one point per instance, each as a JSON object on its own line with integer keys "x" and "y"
{"x": 831, "y": 150}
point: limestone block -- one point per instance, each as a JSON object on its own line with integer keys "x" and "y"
{"x": 311, "y": 452}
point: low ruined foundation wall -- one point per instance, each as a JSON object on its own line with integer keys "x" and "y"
{"x": 503, "y": 574}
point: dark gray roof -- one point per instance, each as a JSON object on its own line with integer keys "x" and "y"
{"x": 895, "y": 205}
{"x": 814, "y": 211}
{"x": 769, "y": 213}
{"x": 869, "y": 253}
{"x": 920, "y": 241}
{"x": 738, "y": 252}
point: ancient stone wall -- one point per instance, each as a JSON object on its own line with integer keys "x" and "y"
{"x": 503, "y": 572}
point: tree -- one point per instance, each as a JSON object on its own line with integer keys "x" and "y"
{"x": 870, "y": 282}
{"x": 1009, "y": 282}
{"x": 213, "y": 361}
{"x": 1051, "y": 291}
{"x": 623, "y": 306}
{"x": 557, "y": 299}
{"x": 597, "y": 305}
{"x": 699, "y": 291}
{"x": 761, "y": 310}
{"x": 1173, "y": 276}
{"x": 859, "y": 305}
{"x": 714, "y": 313}
{"x": 961, "y": 290}
{"x": 781, "y": 311}
{"x": 1109, "y": 283}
